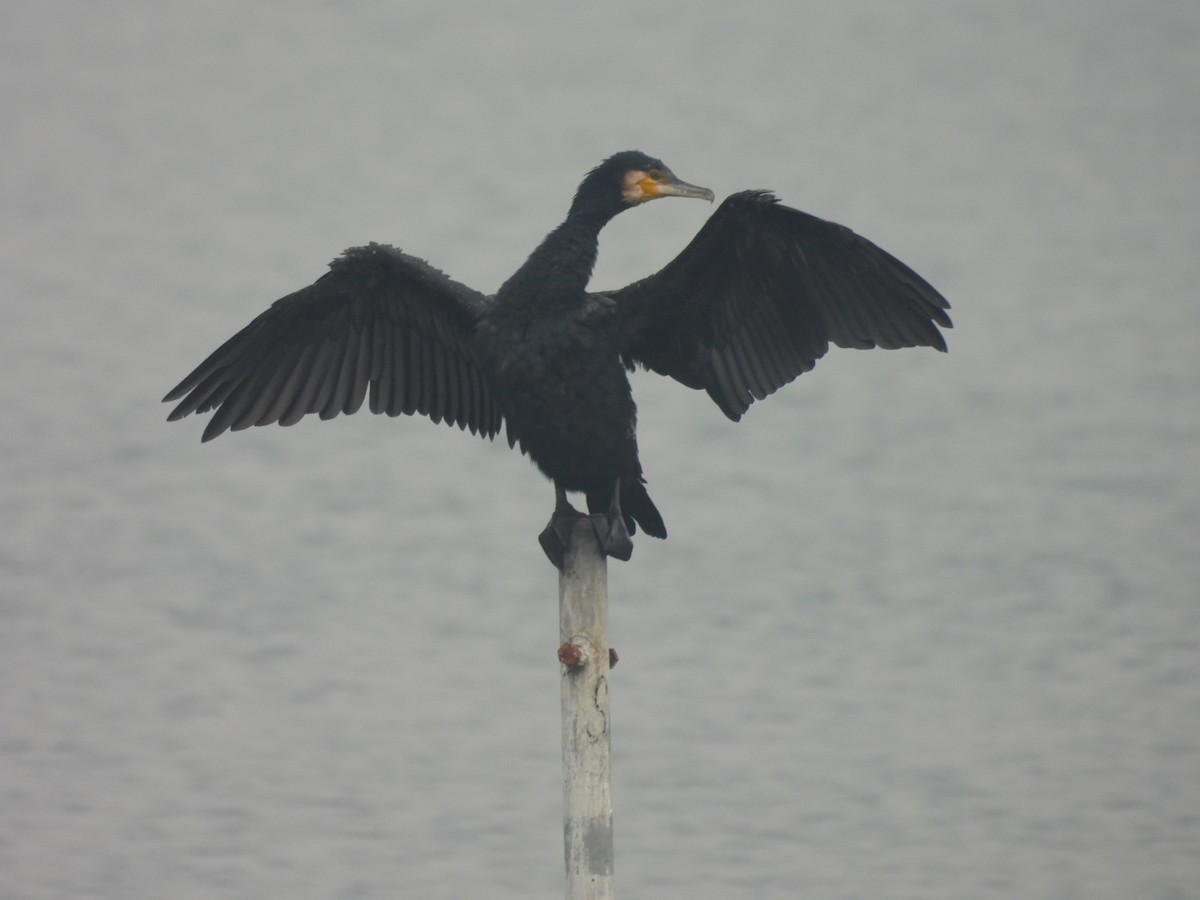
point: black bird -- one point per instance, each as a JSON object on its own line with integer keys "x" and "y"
{"x": 754, "y": 300}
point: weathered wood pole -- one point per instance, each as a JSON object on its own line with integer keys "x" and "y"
{"x": 587, "y": 793}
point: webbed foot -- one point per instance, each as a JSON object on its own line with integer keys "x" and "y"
{"x": 557, "y": 534}
{"x": 612, "y": 534}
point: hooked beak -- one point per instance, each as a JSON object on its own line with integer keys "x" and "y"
{"x": 673, "y": 187}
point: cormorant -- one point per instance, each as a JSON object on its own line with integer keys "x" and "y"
{"x": 753, "y": 301}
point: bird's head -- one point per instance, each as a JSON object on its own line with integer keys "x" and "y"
{"x": 629, "y": 178}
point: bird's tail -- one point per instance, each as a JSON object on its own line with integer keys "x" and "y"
{"x": 637, "y": 505}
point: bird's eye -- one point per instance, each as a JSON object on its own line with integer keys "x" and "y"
{"x": 655, "y": 174}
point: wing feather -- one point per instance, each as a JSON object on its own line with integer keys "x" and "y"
{"x": 339, "y": 372}
{"x": 415, "y": 389}
{"x": 758, "y": 296}
{"x": 287, "y": 384}
{"x": 361, "y": 378}
{"x": 380, "y": 324}
{"x": 383, "y": 368}
{"x": 312, "y": 391}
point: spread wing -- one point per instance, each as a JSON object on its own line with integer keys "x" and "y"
{"x": 758, "y": 295}
{"x": 380, "y": 321}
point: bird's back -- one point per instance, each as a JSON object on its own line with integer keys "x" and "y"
{"x": 565, "y": 395}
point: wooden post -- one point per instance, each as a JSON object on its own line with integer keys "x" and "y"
{"x": 587, "y": 794}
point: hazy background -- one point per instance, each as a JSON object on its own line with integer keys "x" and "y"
{"x": 926, "y": 626}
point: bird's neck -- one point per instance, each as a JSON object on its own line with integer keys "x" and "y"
{"x": 556, "y": 275}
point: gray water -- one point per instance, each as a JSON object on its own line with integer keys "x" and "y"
{"x": 926, "y": 626}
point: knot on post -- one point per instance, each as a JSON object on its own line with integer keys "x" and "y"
{"x": 574, "y": 654}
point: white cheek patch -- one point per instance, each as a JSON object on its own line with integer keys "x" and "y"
{"x": 631, "y": 189}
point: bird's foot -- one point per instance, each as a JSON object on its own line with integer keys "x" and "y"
{"x": 557, "y": 534}
{"x": 613, "y": 535}
{"x": 610, "y": 531}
